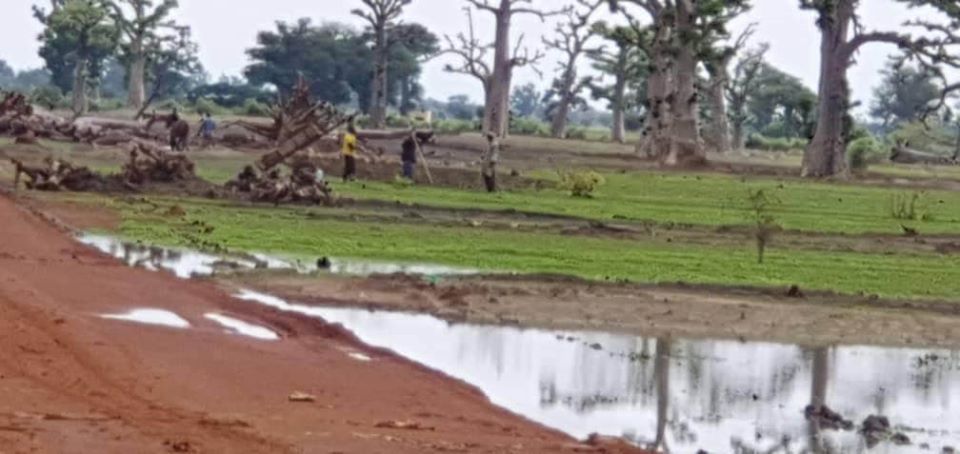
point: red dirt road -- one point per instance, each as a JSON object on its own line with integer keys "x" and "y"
{"x": 72, "y": 382}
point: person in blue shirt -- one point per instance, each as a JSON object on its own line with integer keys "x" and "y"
{"x": 207, "y": 128}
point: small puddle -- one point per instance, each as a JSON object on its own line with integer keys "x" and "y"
{"x": 185, "y": 263}
{"x": 681, "y": 395}
{"x": 157, "y": 317}
{"x": 243, "y": 328}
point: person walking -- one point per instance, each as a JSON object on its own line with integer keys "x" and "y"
{"x": 488, "y": 165}
{"x": 348, "y": 148}
{"x": 408, "y": 155}
{"x": 207, "y": 128}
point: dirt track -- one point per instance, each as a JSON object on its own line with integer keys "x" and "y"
{"x": 72, "y": 382}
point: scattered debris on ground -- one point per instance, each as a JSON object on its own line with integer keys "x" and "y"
{"x": 827, "y": 418}
{"x": 299, "y": 396}
{"x": 55, "y": 175}
{"x": 150, "y": 163}
{"x": 876, "y": 429}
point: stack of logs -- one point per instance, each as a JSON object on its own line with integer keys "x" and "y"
{"x": 55, "y": 175}
{"x": 298, "y": 124}
{"x": 149, "y": 163}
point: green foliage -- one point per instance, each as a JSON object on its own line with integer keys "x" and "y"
{"x": 862, "y": 152}
{"x": 526, "y": 100}
{"x": 48, "y": 96}
{"x": 759, "y": 212}
{"x": 930, "y": 138}
{"x": 759, "y": 142}
{"x": 577, "y": 133}
{"x": 529, "y": 127}
{"x": 914, "y": 206}
{"x": 79, "y": 32}
{"x": 780, "y": 105}
{"x": 254, "y": 108}
{"x": 107, "y": 105}
{"x": 206, "y": 106}
{"x": 580, "y": 183}
{"x": 904, "y": 94}
{"x": 452, "y": 127}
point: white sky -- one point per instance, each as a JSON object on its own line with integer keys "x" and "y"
{"x": 225, "y": 28}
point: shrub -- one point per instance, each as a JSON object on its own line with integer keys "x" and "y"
{"x": 758, "y": 212}
{"x": 581, "y": 184}
{"x": 529, "y": 127}
{"x": 863, "y": 152}
{"x": 577, "y": 134}
{"x": 48, "y": 96}
{"x": 254, "y": 108}
{"x": 454, "y": 126}
{"x": 106, "y": 105}
{"x": 911, "y": 207}
{"x": 207, "y": 106}
{"x": 760, "y": 142}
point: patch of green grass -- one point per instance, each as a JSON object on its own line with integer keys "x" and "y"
{"x": 692, "y": 199}
{"x": 290, "y": 232}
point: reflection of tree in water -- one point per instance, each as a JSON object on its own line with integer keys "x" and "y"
{"x": 817, "y": 443}
{"x": 140, "y": 255}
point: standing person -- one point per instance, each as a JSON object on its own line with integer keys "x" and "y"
{"x": 348, "y": 148}
{"x": 488, "y": 166}
{"x": 408, "y": 155}
{"x": 207, "y": 128}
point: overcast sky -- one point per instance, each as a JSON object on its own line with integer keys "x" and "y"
{"x": 225, "y": 28}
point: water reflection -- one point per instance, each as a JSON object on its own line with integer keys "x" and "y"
{"x": 678, "y": 395}
{"x": 186, "y": 263}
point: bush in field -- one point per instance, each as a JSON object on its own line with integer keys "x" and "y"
{"x": 759, "y": 212}
{"x": 934, "y": 139}
{"x": 106, "y": 105}
{"x": 206, "y": 106}
{"x": 48, "y": 96}
{"x": 863, "y": 152}
{"x": 759, "y": 142}
{"x": 577, "y": 134}
{"x": 529, "y": 127}
{"x": 169, "y": 105}
{"x": 581, "y": 184}
{"x": 911, "y": 207}
{"x": 254, "y": 108}
{"x": 454, "y": 126}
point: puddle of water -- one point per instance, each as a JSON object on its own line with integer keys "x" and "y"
{"x": 186, "y": 263}
{"x": 243, "y": 328}
{"x": 151, "y": 317}
{"x": 678, "y": 395}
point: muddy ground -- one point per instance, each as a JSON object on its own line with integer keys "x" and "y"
{"x": 71, "y": 381}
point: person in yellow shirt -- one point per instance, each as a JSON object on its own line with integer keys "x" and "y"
{"x": 348, "y": 148}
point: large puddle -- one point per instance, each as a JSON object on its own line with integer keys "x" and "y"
{"x": 677, "y": 395}
{"x": 186, "y": 263}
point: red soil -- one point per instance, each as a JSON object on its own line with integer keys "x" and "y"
{"x": 71, "y": 382}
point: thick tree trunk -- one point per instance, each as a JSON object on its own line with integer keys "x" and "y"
{"x": 825, "y": 156}
{"x": 497, "y": 109}
{"x": 558, "y": 127}
{"x": 655, "y": 139}
{"x": 378, "y": 104}
{"x": 719, "y": 125}
{"x": 136, "y": 91}
{"x": 661, "y": 371}
{"x": 618, "y": 131}
{"x": 80, "y": 88}
{"x": 686, "y": 147}
{"x": 737, "y": 139}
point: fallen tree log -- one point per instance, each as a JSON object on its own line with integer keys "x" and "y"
{"x": 904, "y": 155}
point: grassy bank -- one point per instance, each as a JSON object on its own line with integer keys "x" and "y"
{"x": 291, "y": 231}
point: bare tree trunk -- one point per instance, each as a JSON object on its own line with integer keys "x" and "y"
{"x": 655, "y": 140}
{"x": 558, "y": 127}
{"x": 136, "y": 92}
{"x": 378, "y": 106}
{"x": 826, "y": 154}
{"x": 618, "y": 131}
{"x": 719, "y": 125}
{"x": 80, "y": 105}
{"x": 661, "y": 368}
{"x": 497, "y": 113}
{"x": 737, "y": 139}
{"x": 686, "y": 147}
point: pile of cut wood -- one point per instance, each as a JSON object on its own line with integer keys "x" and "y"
{"x": 55, "y": 175}
{"x": 149, "y": 163}
{"x": 298, "y": 124}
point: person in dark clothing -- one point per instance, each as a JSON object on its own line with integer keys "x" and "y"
{"x": 409, "y": 151}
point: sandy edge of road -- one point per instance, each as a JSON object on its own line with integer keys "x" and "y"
{"x": 71, "y": 381}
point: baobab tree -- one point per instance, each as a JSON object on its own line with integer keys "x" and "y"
{"x": 473, "y": 58}
{"x": 717, "y": 60}
{"x": 141, "y": 23}
{"x": 841, "y": 37}
{"x": 381, "y": 14}
{"x": 628, "y": 67}
{"x": 678, "y": 31}
{"x": 506, "y": 58}
{"x": 572, "y": 38}
{"x": 742, "y": 87}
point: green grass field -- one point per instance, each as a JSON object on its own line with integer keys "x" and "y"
{"x": 699, "y": 199}
{"x": 292, "y": 232}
